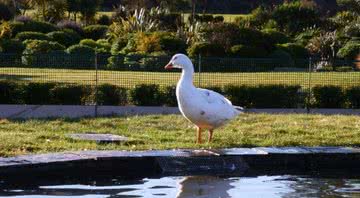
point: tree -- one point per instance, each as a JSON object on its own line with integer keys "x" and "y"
{"x": 41, "y": 5}
{"x": 351, "y": 5}
{"x": 88, "y": 9}
{"x": 73, "y": 6}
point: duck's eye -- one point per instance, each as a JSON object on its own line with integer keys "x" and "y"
{"x": 175, "y": 58}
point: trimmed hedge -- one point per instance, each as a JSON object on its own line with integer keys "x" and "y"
{"x": 328, "y": 96}
{"x": 95, "y": 32}
{"x": 22, "y": 36}
{"x": 206, "y": 49}
{"x": 261, "y": 96}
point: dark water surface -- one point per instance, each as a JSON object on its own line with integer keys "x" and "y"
{"x": 191, "y": 186}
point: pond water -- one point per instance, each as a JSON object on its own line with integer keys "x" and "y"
{"x": 192, "y": 186}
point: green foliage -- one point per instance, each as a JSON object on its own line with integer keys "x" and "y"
{"x": 353, "y": 96}
{"x": 118, "y": 45}
{"x": 56, "y": 10}
{"x": 146, "y": 95}
{"x": 328, "y": 97}
{"x": 255, "y": 20}
{"x": 40, "y": 46}
{"x": 344, "y": 69}
{"x": 294, "y": 17}
{"x": 111, "y": 95}
{"x": 80, "y": 49}
{"x": 37, "y": 93}
{"x": 88, "y": 11}
{"x": 64, "y": 94}
{"x": 276, "y": 36}
{"x": 10, "y": 92}
{"x": 5, "y": 12}
{"x": 100, "y": 46}
{"x": 295, "y": 50}
{"x": 265, "y": 96}
{"x": 104, "y": 20}
{"x": 248, "y": 51}
{"x": 82, "y": 55}
{"x": 350, "y": 50}
{"x": 32, "y": 26}
{"x": 95, "y": 32}
{"x": 304, "y": 37}
{"x": 170, "y": 43}
{"x": 41, "y": 53}
{"x": 169, "y": 96}
{"x": 206, "y": 49}
{"x": 11, "y": 46}
{"x": 22, "y": 36}
{"x": 65, "y": 38}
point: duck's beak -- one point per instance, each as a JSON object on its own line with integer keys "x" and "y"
{"x": 169, "y": 66}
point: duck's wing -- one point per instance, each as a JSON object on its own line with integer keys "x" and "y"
{"x": 213, "y": 97}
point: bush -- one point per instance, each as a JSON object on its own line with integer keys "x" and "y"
{"x": 146, "y": 95}
{"x": 350, "y": 50}
{"x": 100, "y": 46}
{"x": 5, "y": 12}
{"x": 81, "y": 56}
{"x": 172, "y": 44}
{"x": 111, "y": 95}
{"x": 265, "y": 96}
{"x": 284, "y": 59}
{"x": 118, "y": 45}
{"x": 344, "y": 69}
{"x": 206, "y": 49}
{"x": 68, "y": 94}
{"x": 353, "y": 96}
{"x": 22, "y": 36}
{"x": 32, "y": 26}
{"x": 10, "y": 93}
{"x": 295, "y": 50}
{"x": 328, "y": 96}
{"x": 11, "y": 46}
{"x": 275, "y": 36}
{"x": 104, "y": 20}
{"x": 43, "y": 54}
{"x": 64, "y": 38}
{"x": 71, "y": 25}
{"x": 95, "y": 32}
{"x": 248, "y": 51}
{"x": 169, "y": 95}
{"x": 37, "y": 93}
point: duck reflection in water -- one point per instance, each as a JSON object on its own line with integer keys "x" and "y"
{"x": 204, "y": 187}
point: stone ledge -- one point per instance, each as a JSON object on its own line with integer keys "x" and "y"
{"x": 233, "y": 161}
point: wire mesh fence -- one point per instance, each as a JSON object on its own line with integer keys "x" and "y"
{"x": 130, "y": 70}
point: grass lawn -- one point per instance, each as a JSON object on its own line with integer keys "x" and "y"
{"x": 129, "y": 78}
{"x": 173, "y": 131}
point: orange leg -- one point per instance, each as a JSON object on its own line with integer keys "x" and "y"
{"x": 199, "y": 135}
{"x": 210, "y": 135}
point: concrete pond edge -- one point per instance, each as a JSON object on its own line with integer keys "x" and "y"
{"x": 182, "y": 162}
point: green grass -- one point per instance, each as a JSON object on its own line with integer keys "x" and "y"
{"x": 173, "y": 132}
{"x": 129, "y": 79}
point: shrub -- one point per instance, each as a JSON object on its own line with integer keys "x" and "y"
{"x": 95, "y": 32}
{"x": 68, "y": 94}
{"x": 71, "y": 25}
{"x": 63, "y": 38}
{"x": 43, "y": 53}
{"x": 37, "y": 93}
{"x": 22, "y": 36}
{"x": 100, "y": 46}
{"x": 81, "y": 56}
{"x": 206, "y": 49}
{"x": 118, "y": 45}
{"x": 248, "y": 51}
{"x": 111, "y": 95}
{"x": 169, "y": 95}
{"x": 265, "y": 96}
{"x": 32, "y": 26}
{"x": 275, "y": 36}
{"x": 284, "y": 59}
{"x": 104, "y": 20}
{"x": 10, "y": 93}
{"x": 146, "y": 95}
{"x": 147, "y": 43}
{"x": 11, "y": 46}
{"x": 5, "y": 12}
{"x": 344, "y": 69}
{"x": 328, "y": 96}
{"x": 353, "y": 96}
{"x": 295, "y": 50}
{"x": 172, "y": 44}
{"x": 350, "y": 50}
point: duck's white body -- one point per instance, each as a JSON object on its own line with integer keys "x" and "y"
{"x": 205, "y": 108}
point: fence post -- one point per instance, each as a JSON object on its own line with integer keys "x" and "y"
{"x": 199, "y": 60}
{"x": 96, "y": 84}
{"x": 309, "y": 86}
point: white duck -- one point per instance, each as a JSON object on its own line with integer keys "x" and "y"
{"x": 205, "y": 108}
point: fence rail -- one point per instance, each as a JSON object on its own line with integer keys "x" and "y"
{"x": 128, "y": 71}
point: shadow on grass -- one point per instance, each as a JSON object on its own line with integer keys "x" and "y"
{"x": 16, "y": 77}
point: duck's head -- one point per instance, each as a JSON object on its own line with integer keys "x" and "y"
{"x": 180, "y": 61}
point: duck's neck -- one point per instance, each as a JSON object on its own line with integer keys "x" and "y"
{"x": 187, "y": 77}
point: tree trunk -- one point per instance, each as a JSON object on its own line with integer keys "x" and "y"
{"x": 193, "y": 6}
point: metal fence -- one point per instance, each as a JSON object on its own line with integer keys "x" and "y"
{"x": 127, "y": 71}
